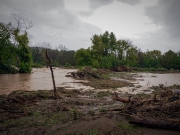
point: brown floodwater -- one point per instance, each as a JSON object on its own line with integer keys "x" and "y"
{"x": 154, "y": 79}
{"x": 39, "y": 79}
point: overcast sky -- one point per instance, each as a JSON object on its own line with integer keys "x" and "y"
{"x": 149, "y": 24}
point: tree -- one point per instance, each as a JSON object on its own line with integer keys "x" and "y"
{"x": 8, "y": 52}
{"x": 83, "y": 57}
{"x": 108, "y": 52}
{"x": 98, "y": 49}
{"x": 170, "y": 60}
{"x": 24, "y": 53}
{"x": 131, "y": 56}
{"x": 14, "y": 46}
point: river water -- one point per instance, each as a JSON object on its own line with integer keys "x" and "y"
{"x": 40, "y": 79}
{"x": 154, "y": 79}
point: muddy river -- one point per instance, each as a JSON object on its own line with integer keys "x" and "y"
{"x": 40, "y": 79}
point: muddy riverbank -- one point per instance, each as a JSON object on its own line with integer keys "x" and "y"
{"x": 75, "y": 112}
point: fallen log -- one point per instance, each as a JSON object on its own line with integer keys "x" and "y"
{"x": 154, "y": 123}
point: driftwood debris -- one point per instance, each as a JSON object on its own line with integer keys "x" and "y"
{"x": 85, "y": 73}
{"x": 161, "y": 110}
{"x": 124, "y": 100}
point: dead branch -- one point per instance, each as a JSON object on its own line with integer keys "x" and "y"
{"x": 22, "y": 24}
{"x": 52, "y": 74}
{"x": 124, "y": 100}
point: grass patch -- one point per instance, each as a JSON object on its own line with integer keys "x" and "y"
{"x": 103, "y": 94}
{"x": 91, "y": 112}
{"x": 102, "y": 110}
{"x": 36, "y": 65}
{"x": 106, "y": 83}
{"x": 127, "y": 126}
{"x": 39, "y": 119}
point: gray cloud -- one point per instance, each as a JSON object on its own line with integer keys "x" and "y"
{"x": 52, "y": 22}
{"x": 130, "y": 2}
{"x": 159, "y": 40}
{"x": 166, "y": 14}
{"x": 95, "y": 4}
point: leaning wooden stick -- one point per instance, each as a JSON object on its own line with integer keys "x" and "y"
{"x": 48, "y": 62}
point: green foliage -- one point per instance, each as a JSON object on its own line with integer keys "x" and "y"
{"x": 14, "y": 57}
{"x": 91, "y": 112}
{"x": 127, "y": 126}
{"x": 4, "y": 69}
{"x": 107, "y": 52}
{"x": 23, "y": 52}
{"x": 107, "y": 62}
{"x": 58, "y": 57}
{"x": 131, "y": 56}
{"x": 8, "y": 52}
{"x": 83, "y": 57}
{"x": 36, "y": 65}
{"x": 102, "y": 110}
{"x": 171, "y": 60}
{"x": 67, "y": 64}
{"x": 24, "y": 68}
{"x": 95, "y": 63}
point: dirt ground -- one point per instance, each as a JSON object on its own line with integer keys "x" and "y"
{"x": 91, "y": 112}
{"x": 80, "y": 113}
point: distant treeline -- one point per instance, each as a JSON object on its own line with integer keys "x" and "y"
{"x": 108, "y": 52}
{"x": 58, "y": 57}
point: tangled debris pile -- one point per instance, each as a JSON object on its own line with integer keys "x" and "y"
{"x": 162, "y": 110}
{"x": 88, "y": 73}
{"x": 97, "y": 78}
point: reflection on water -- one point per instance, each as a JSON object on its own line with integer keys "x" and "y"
{"x": 40, "y": 79}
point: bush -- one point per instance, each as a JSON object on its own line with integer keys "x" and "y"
{"x": 37, "y": 65}
{"x": 24, "y": 68}
{"x": 4, "y": 68}
{"x": 95, "y": 64}
{"x": 67, "y": 64}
